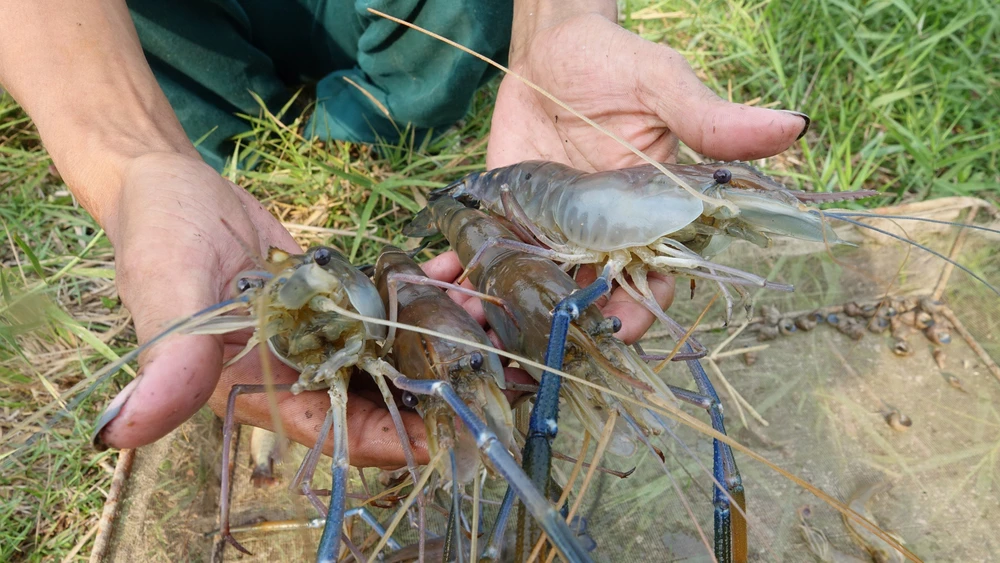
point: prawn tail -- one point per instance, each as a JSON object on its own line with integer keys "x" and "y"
{"x": 422, "y": 225}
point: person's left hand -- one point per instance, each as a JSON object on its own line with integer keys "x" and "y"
{"x": 644, "y": 92}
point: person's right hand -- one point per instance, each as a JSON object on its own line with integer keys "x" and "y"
{"x": 175, "y": 256}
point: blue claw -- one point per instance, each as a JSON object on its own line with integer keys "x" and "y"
{"x": 730, "y": 526}
{"x": 548, "y": 518}
{"x": 543, "y": 424}
{"x": 329, "y": 543}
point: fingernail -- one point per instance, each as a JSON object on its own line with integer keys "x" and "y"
{"x": 110, "y": 413}
{"x": 805, "y": 129}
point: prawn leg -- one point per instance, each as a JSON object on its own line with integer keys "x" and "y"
{"x": 228, "y": 430}
{"x": 329, "y": 544}
{"x": 302, "y": 483}
{"x": 490, "y": 445}
{"x": 302, "y": 478}
{"x": 730, "y": 525}
{"x": 453, "y": 536}
{"x": 493, "y": 543}
{"x": 368, "y": 518}
{"x": 544, "y": 422}
{"x": 492, "y": 550}
{"x": 335, "y": 514}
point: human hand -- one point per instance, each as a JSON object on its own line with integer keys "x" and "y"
{"x": 644, "y": 92}
{"x": 175, "y": 256}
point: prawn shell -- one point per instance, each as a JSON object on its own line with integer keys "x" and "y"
{"x": 612, "y": 210}
{"x": 310, "y": 280}
{"x": 420, "y": 356}
{"x": 618, "y": 209}
{"x": 430, "y": 307}
{"x": 534, "y": 281}
{"x": 601, "y": 211}
{"x": 764, "y": 213}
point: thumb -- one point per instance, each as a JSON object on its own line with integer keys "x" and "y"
{"x": 172, "y": 260}
{"x": 176, "y": 376}
{"x": 710, "y": 125}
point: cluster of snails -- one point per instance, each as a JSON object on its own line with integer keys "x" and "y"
{"x": 901, "y": 316}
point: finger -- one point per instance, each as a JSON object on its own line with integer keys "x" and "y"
{"x": 516, "y": 376}
{"x": 443, "y": 267}
{"x": 446, "y": 267}
{"x": 176, "y": 378}
{"x": 472, "y": 305}
{"x": 709, "y": 125}
{"x": 373, "y": 440}
{"x": 635, "y": 317}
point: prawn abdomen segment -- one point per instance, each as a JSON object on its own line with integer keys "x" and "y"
{"x": 527, "y": 283}
{"x": 469, "y": 230}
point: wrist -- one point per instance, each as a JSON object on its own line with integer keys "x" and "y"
{"x": 95, "y": 159}
{"x": 533, "y": 16}
{"x": 90, "y": 92}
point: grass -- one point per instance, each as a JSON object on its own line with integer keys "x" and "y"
{"x": 903, "y": 97}
{"x": 902, "y": 94}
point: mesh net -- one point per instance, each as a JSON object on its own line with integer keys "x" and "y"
{"x": 897, "y": 413}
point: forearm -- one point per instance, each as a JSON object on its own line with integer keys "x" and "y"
{"x": 531, "y": 16}
{"x": 78, "y": 69}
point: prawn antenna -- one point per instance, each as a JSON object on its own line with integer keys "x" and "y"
{"x": 977, "y": 277}
{"x": 841, "y": 214}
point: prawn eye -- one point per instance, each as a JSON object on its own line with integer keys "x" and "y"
{"x": 244, "y": 284}
{"x": 476, "y": 361}
{"x": 409, "y": 399}
{"x": 322, "y": 256}
{"x": 616, "y": 324}
{"x": 722, "y": 176}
